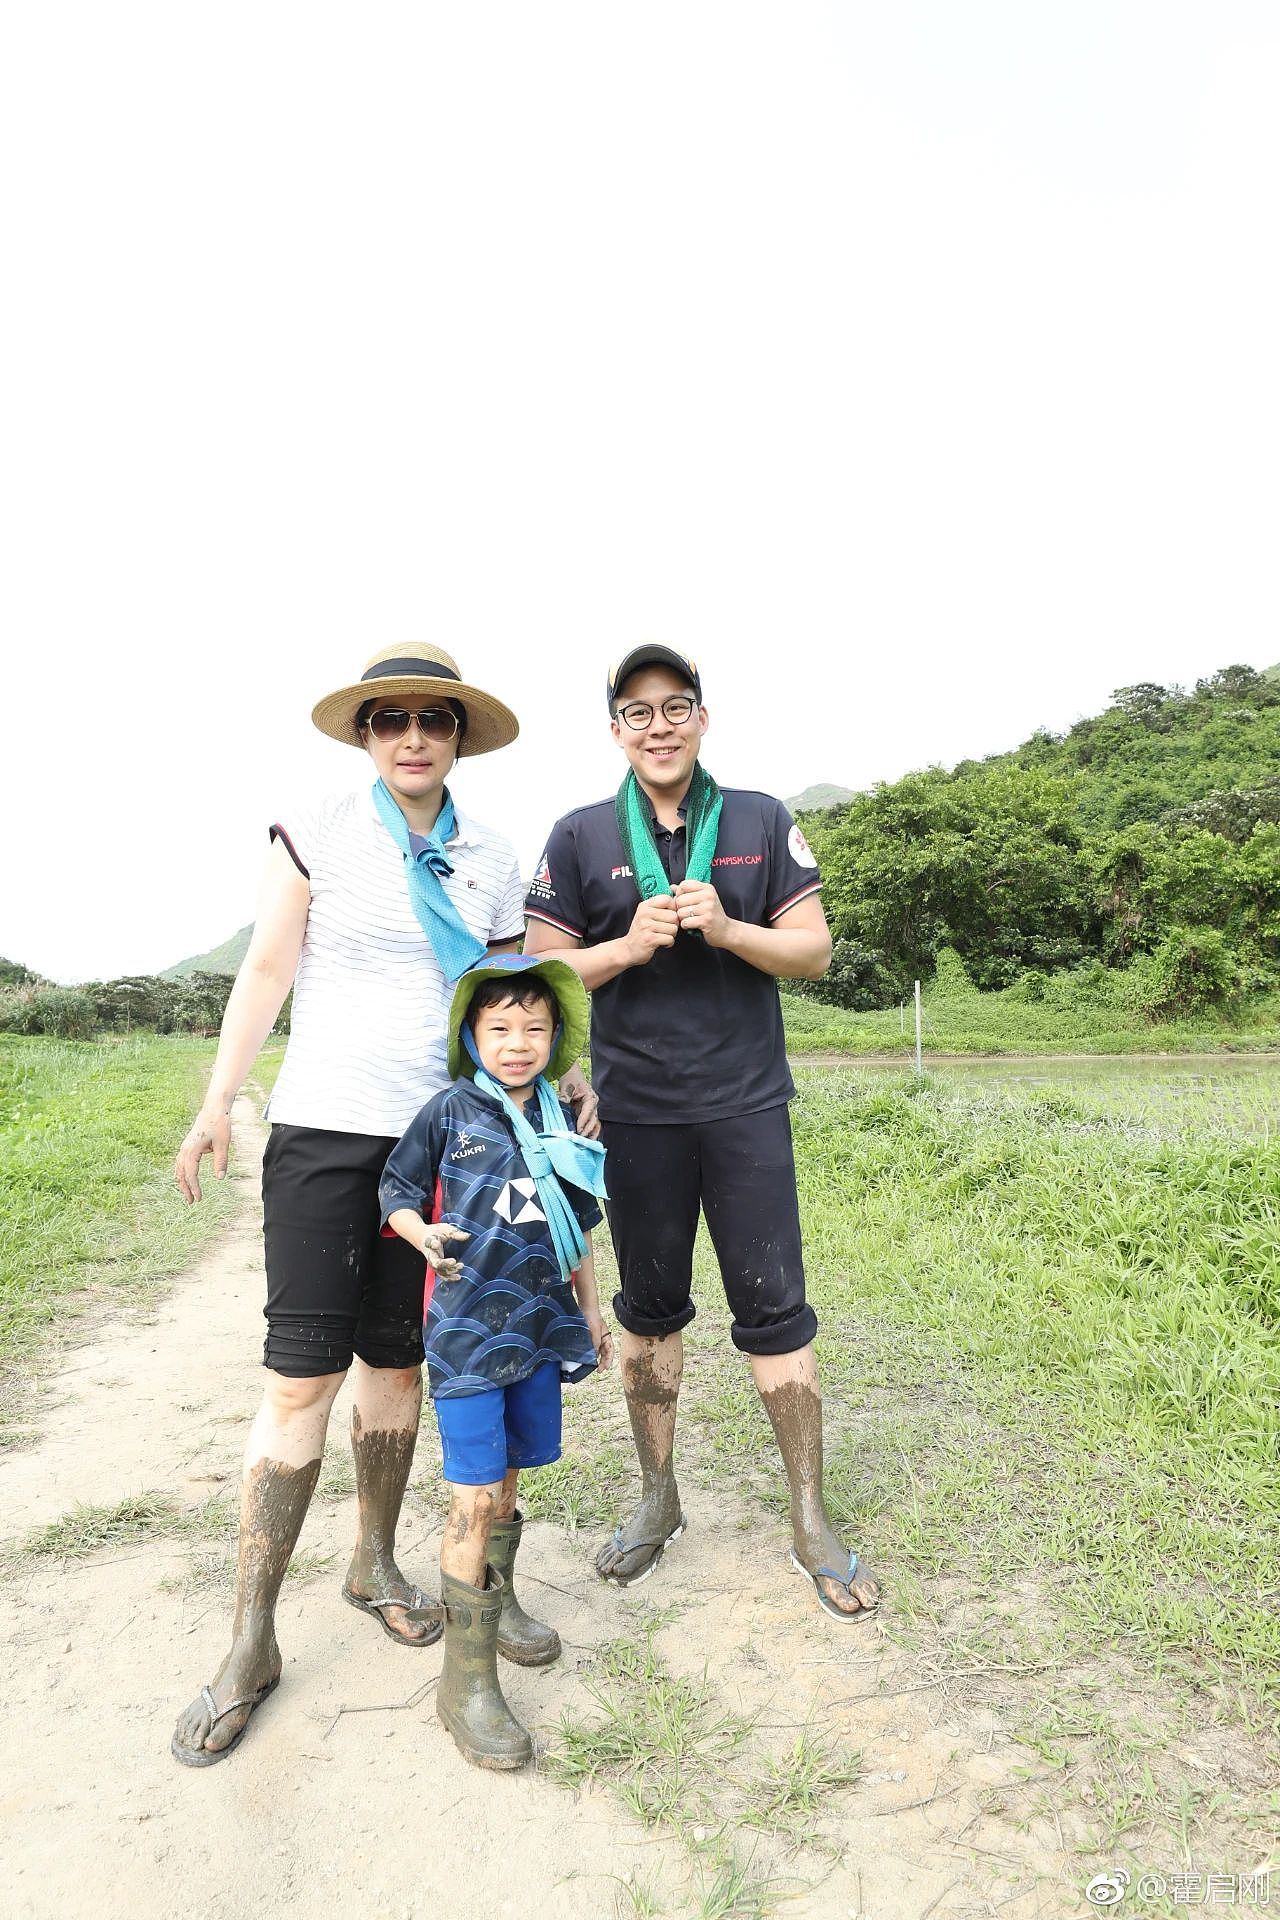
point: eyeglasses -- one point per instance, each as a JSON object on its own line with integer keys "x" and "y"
{"x": 639, "y": 714}
{"x": 434, "y": 723}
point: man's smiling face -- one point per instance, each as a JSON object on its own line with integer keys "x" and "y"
{"x": 663, "y": 752}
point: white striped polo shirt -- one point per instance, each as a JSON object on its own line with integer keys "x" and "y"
{"x": 370, "y": 1002}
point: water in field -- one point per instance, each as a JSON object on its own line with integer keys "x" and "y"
{"x": 1071, "y": 1069}
{"x": 1238, "y": 1092}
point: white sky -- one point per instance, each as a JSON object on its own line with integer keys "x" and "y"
{"x": 912, "y": 365}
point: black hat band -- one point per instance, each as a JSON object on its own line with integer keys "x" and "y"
{"x": 397, "y": 669}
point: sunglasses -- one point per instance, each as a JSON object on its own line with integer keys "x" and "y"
{"x": 434, "y": 723}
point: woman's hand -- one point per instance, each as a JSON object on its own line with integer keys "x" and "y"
{"x": 581, "y": 1097}
{"x": 210, "y": 1133}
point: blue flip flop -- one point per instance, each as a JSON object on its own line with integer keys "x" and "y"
{"x": 655, "y": 1548}
{"x": 844, "y": 1580}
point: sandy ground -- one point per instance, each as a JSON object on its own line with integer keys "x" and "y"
{"x": 347, "y": 1796}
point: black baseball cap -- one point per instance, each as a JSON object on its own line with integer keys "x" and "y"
{"x": 653, "y": 657}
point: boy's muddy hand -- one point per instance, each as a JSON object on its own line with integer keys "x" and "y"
{"x": 434, "y": 1241}
{"x": 655, "y": 925}
{"x": 210, "y": 1133}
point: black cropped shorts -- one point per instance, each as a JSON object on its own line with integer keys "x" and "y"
{"x": 741, "y": 1172}
{"x": 335, "y": 1286}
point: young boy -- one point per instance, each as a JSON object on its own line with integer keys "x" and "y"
{"x": 493, "y": 1161}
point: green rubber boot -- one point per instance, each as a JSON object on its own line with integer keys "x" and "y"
{"x": 468, "y": 1697}
{"x": 526, "y": 1642}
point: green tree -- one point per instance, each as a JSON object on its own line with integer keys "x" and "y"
{"x": 1239, "y": 684}
{"x": 988, "y": 864}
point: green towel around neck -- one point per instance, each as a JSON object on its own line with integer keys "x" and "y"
{"x": 701, "y": 824}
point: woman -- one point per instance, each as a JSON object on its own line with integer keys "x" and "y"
{"x": 372, "y": 906}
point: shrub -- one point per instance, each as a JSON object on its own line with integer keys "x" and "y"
{"x": 857, "y": 979}
{"x": 951, "y": 977}
{"x": 1192, "y": 968}
{"x": 64, "y": 1012}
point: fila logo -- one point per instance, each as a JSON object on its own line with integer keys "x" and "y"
{"x": 623, "y": 873}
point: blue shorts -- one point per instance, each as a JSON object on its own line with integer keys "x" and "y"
{"x": 482, "y": 1434}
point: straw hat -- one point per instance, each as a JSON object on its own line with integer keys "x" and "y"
{"x": 417, "y": 675}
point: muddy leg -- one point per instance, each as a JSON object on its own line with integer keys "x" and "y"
{"x": 387, "y": 1403}
{"x": 788, "y": 1386}
{"x": 281, "y": 1467}
{"x": 464, "y": 1551}
{"x": 469, "y": 1697}
{"x": 651, "y": 1374}
{"x": 521, "y": 1638}
{"x": 505, "y": 1507}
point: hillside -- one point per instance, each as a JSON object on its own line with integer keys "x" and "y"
{"x": 822, "y": 795}
{"x": 1145, "y": 841}
{"x": 223, "y": 959}
{"x": 1156, "y": 750}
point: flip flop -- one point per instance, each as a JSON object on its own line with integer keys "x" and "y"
{"x": 417, "y": 1607}
{"x": 844, "y": 1580}
{"x": 656, "y": 1550}
{"x": 209, "y": 1757}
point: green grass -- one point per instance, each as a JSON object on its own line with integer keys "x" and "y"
{"x": 585, "y": 1487}
{"x": 659, "y": 1739}
{"x": 684, "y": 1765}
{"x": 1006, "y": 1023}
{"x": 88, "y": 1134}
{"x": 86, "y": 1529}
{"x": 638, "y": 1899}
{"x": 734, "y": 1890}
{"x": 1050, "y": 1351}
{"x": 266, "y": 1068}
{"x": 1051, "y": 1340}
{"x": 793, "y": 1787}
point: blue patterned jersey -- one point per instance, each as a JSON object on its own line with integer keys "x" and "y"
{"x": 510, "y": 1311}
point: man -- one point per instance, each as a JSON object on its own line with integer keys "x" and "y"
{"x": 690, "y": 1066}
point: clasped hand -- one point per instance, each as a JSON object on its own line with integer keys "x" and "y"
{"x": 693, "y": 906}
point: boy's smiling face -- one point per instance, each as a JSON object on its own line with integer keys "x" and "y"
{"x": 514, "y": 1042}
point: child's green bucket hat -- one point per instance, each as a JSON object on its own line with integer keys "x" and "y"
{"x": 570, "y": 996}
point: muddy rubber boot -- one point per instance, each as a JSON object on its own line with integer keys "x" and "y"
{"x": 468, "y": 1697}
{"x": 526, "y": 1642}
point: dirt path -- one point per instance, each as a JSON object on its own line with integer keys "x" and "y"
{"x": 337, "y": 1803}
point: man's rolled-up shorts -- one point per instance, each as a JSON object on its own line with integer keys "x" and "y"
{"x": 741, "y": 1173}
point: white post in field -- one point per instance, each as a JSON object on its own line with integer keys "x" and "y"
{"x": 919, "y": 1063}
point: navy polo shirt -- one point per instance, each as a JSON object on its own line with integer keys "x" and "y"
{"x": 696, "y": 1034}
